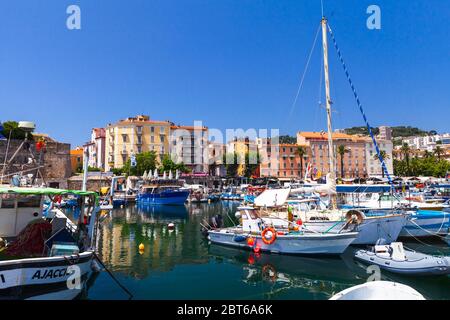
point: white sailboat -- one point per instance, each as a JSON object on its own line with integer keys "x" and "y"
{"x": 371, "y": 227}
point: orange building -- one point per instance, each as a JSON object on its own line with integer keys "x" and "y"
{"x": 354, "y": 159}
{"x": 76, "y": 159}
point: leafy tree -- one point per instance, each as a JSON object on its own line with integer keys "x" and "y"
{"x": 145, "y": 161}
{"x": 231, "y": 163}
{"x": 384, "y": 156}
{"x": 438, "y": 151}
{"x": 252, "y": 161}
{"x": 342, "y": 150}
{"x": 426, "y": 166}
{"x": 12, "y": 127}
{"x": 301, "y": 151}
{"x": 406, "y": 152}
{"x": 287, "y": 139}
{"x": 167, "y": 164}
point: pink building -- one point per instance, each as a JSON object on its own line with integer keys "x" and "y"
{"x": 97, "y": 148}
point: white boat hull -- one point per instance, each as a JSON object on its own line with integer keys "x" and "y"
{"x": 379, "y": 290}
{"x": 426, "y": 227}
{"x": 44, "y": 277}
{"x": 370, "y": 230}
{"x": 298, "y": 244}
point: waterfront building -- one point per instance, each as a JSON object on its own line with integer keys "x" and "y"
{"x": 373, "y": 165}
{"x": 354, "y": 159}
{"x": 135, "y": 135}
{"x": 216, "y": 165}
{"x": 97, "y": 148}
{"x": 428, "y": 142}
{"x": 76, "y": 159}
{"x": 242, "y": 146}
{"x": 189, "y": 144}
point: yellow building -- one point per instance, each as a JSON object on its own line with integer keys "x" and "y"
{"x": 135, "y": 135}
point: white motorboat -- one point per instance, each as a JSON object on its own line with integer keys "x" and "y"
{"x": 379, "y": 290}
{"x": 396, "y": 259}
{"x": 262, "y": 234}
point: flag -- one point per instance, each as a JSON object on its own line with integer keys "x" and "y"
{"x": 133, "y": 160}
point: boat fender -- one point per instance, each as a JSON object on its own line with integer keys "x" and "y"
{"x": 240, "y": 238}
{"x": 250, "y": 241}
{"x": 269, "y": 235}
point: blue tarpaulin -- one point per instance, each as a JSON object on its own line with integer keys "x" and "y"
{"x": 360, "y": 188}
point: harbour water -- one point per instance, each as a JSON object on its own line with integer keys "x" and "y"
{"x": 180, "y": 264}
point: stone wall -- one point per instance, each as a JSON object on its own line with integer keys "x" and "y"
{"x": 55, "y": 161}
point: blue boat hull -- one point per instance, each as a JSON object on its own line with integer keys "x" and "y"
{"x": 164, "y": 198}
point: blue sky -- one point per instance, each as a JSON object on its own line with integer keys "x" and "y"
{"x": 229, "y": 63}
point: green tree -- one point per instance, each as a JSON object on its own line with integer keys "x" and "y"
{"x": 301, "y": 152}
{"x": 406, "y": 152}
{"x": 384, "y": 156}
{"x": 167, "y": 164}
{"x": 438, "y": 151}
{"x": 342, "y": 150}
{"x": 231, "y": 163}
{"x": 12, "y": 127}
{"x": 252, "y": 161}
{"x": 145, "y": 161}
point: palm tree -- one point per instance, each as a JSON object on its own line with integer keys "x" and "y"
{"x": 406, "y": 151}
{"x": 342, "y": 150}
{"x": 383, "y": 156}
{"x": 427, "y": 154}
{"x": 301, "y": 151}
{"x": 438, "y": 151}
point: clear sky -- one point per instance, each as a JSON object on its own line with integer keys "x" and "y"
{"x": 229, "y": 63}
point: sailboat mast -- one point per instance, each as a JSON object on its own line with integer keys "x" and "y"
{"x": 328, "y": 99}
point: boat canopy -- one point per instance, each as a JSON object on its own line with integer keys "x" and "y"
{"x": 45, "y": 191}
{"x": 272, "y": 197}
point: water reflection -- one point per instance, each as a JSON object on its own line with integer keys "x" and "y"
{"x": 320, "y": 276}
{"x": 181, "y": 264}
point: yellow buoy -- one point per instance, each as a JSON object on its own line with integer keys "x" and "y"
{"x": 141, "y": 247}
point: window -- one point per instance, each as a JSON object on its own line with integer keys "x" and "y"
{"x": 29, "y": 201}
{"x": 162, "y": 138}
{"x": 139, "y": 149}
{"x": 161, "y": 130}
{"x": 7, "y": 201}
{"x": 152, "y": 139}
{"x": 152, "y": 129}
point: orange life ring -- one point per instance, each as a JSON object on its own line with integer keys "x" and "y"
{"x": 269, "y": 272}
{"x": 269, "y": 238}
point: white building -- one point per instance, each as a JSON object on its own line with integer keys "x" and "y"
{"x": 97, "y": 148}
{"x": 373, "y": 165}
{"x": 427, "y": 142}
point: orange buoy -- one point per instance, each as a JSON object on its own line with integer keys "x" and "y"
{"x": 250, "y": 241}
{"x": 299, "y": 222}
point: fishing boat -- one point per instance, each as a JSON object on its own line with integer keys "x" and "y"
{"x": 394, "y": 258}
{"x": 43, "y": 255}
{"x": 265, "y": 234}
{"x": 311, "y": 212}
{"x": 162, "y": 192}
{"x": 379, "y": 290}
